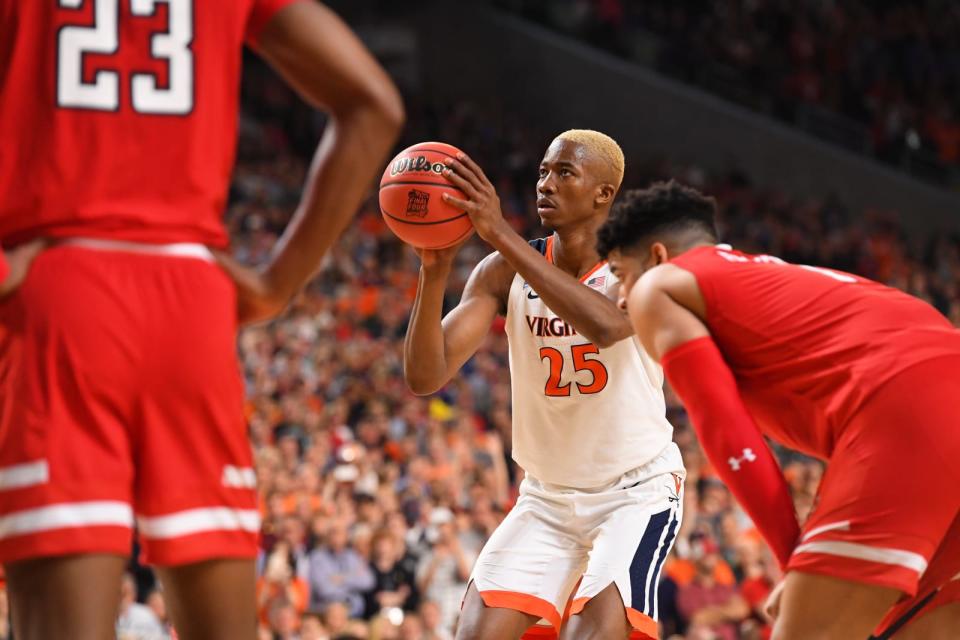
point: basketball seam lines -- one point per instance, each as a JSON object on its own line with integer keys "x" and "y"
{"x": 445, "y": 153}
{"x": 423, "y": 182}
{"x": 390, "y": 215}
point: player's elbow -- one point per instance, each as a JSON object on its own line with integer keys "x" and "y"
{"x": 419, "y": 388}
{"x": 420, "y": 384}
{"x": 607, "y": 339}
{"x": 377, "y": 106}
{"x": 388, "y": 106}
{"x": 607, "y": 336}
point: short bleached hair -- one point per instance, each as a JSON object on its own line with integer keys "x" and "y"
{"x": 600, "y": 145}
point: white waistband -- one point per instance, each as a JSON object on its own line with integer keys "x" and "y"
{"x": 177, "y": 250}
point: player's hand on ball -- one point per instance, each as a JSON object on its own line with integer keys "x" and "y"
{"x": 257, "y": 299}
{"x": 18, "y": 261}
{"x": 483, "y": 204}
{"x": 438, "y": 259}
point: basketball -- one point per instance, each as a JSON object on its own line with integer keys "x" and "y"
{"x": 411, "y": 202}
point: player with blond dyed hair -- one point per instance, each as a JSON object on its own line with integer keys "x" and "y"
{"x": 600, "y": 146}
{"x": 601, "y": 501}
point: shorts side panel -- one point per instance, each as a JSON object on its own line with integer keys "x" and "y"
{"x": 197, "y": 499}
{"x": 630, "y": 547}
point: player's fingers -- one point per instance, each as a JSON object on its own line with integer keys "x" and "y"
{"x": 468, "y": 161}
{"x": 467, "y": 173}
{"x": 27, "y": 252}
{"x": 466, "y": 205}
{"x": 462, "y": 183}
{"x": 18, "y": 264}
{"x": 771, "y": 607}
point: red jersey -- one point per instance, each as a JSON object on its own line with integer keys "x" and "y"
{"x": 808, "y": 345}
{"x": 119, "y": 117}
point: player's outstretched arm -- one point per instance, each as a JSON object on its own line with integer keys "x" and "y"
{"x": 330, "y": 68}
{"x": 698, "y": 373}
{"x": 591, "y": 313}
{"x": 435, "y": 349}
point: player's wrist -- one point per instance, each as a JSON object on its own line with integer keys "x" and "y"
{"x": 498, "y": 233}
{"x": 436, "y": 272}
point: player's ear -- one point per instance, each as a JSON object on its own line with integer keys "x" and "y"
{"x": 659, "y": 254}
{"x": 605, "y": 193}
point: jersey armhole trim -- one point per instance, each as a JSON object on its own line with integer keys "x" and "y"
{"x": 261, "y": 13}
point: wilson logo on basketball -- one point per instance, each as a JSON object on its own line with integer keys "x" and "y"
{"x": 417, "y": 203}
{"x": 419, "y": 163}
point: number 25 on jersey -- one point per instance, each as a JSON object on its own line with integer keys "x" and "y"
{"x": 103, "y": 38}
{"x": 580, "y": 363}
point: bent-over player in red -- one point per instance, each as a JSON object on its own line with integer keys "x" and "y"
{"x": 839, "y": 367}
{"x": 120, "y": 394}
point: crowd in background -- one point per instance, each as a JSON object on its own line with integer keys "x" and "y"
{"x": 893, "y": 66}
{"x": 376, "y": 502}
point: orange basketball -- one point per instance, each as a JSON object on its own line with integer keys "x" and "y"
{"x": 410, "y": 201}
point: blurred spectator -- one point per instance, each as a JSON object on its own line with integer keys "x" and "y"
{"x": 292, "y": 532}
{"x": 278, "y": 584}
{"x": 136, "y": 621}
{"x": 158, "y": 605}
{"x": 393, "y": 578}
{"x": 336, "y": 619}
{"x": 432, "y": 623}
{"x": 444, "y": 570}
{"x": 761, "y": 575}
{"x": 412, "y": 628}
{"x": 311, "y": 628}
{"x": 284, "y": 620}
{"x": 338, "y": 573}
{"x": 712, "y": 609}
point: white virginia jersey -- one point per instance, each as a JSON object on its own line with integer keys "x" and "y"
{"x": 582, "y": 416}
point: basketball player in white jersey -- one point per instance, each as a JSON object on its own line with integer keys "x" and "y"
{"x": 601, "y": 501}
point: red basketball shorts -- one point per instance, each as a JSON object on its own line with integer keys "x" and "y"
{"x": 888, "y": 511}
{"x": 121, "y": 408}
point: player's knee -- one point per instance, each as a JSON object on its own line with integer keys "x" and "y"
{"x": 473, "y": 624}
{"x": 473, "y": 628}
{"x": 581, "y": 627}
{"x": 479, "y": 622}
{"x": 467, "y": 629}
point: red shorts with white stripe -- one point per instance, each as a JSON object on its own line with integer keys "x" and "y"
{"x": 121, "y": 404}
{"x": 888, "y": 510}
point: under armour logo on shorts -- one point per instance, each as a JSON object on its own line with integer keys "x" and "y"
{"x": 736, "y": 463}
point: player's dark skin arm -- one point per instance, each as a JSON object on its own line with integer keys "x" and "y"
{"x": 591, "y": 313}
{"x": 660, "y": 308}
{"x": 435, "y": 349}
{"x": 329, "y": 67}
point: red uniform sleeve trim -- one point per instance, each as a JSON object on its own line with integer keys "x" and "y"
{"x": 260, "y": 14}
{"x": 4, "y": 267}
{"x": 731, "y": 440}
